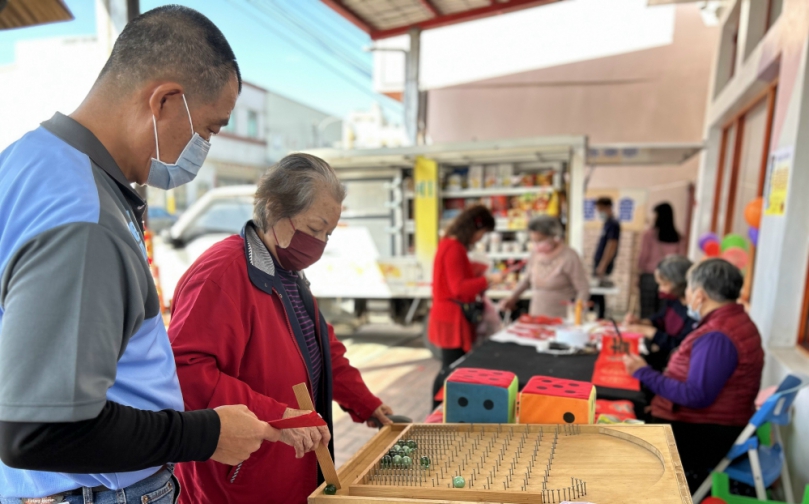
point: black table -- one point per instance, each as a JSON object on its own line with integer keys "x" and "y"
{"x": 526, "y": 362}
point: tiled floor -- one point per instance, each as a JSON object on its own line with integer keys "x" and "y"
{"x": 397, "y": 368}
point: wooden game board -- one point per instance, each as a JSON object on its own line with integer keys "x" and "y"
{"x": 511, "y": 463}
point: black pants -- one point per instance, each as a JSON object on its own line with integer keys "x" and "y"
{"x": 448, "y": 356}
{"x": 701, "y": 447}
{"x": 649, "y": 299}
{"x": 599, "y": 305}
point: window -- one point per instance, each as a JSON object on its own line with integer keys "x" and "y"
{"x": 222, "y": 216}
{"x": 231, "y": 126}
{"x": 773, "y": 11}
{"x": 252, "y": 124}
{"x": 803, "y": 330}
{"x": 728, "y": 49}
{"x": 743, "y": 156}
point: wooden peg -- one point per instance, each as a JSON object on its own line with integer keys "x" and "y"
{"x": 322, "y": 452}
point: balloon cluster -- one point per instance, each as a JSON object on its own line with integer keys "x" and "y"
{"x": 734, "y": 248}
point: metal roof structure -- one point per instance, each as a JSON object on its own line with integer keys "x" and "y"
{"x": 22, "y": 13}
{"x": 387, "y": 18}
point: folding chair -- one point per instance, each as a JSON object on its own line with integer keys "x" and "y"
{"x": 764, "y": 464}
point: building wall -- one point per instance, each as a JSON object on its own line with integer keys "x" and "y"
{"x": 781, "y": 257}
{"x": 293, "y": 126}
{"x": 649, "y": 95}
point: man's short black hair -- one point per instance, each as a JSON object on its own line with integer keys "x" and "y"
{"x": 604, "y": 201}
{"x": 173, "y": 43}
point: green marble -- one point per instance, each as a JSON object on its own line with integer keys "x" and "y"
{"x": 425, "y": 462}
{"x": 397, "y": 461}
{"x": 412, "y": 444}
{"x": 458, "y": 482}
{"x": 330, "y": 490}
{"x": 386, "y": 461}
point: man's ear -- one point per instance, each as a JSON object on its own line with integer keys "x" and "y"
{"x": 159, "y": 95}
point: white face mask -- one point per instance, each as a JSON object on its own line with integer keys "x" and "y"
{"x": 168, "y": 176}
{"x": 694, "y": 313}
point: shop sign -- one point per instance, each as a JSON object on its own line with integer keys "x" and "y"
{"x": 778, "y": 181}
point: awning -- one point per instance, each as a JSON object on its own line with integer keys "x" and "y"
{"x": 22, "y": 13}
{"x": 641, "y": 154}
{"x": 387, "y": 18}
{"x": 544, "y": 150}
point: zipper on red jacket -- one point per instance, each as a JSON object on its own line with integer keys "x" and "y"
{"x": 300, "y": 352}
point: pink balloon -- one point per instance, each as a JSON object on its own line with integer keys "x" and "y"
{"x": 737, "y": 257}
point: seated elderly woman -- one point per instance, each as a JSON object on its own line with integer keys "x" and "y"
{"x": 667, "y": 328}
{"x": 554, "y": 273}
{"x": 245, "y": 329}
{"x": 708, "y": 390}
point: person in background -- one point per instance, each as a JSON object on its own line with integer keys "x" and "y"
{"x": 707, "y": 393}
{"x": 606, "y": 250}
{"x": 667, "y": 328}
{"x": 455, "y": 282}
{"x": 90, "y": 406}
{"x": 245, "y": 329}
{"x": 554, "y": 273}
{"x": 657, "y": 242}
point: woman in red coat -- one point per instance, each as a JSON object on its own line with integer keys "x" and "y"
{"x": 455, "y": 282}
{"x": 245, "y": 329}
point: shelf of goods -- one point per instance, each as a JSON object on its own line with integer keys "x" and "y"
{"x": 496, "y": 191}
{"x": 501, "y": 224}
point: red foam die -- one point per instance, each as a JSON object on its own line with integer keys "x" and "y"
{"x": 476, "y": 376}
{"x": 558, "y": 387}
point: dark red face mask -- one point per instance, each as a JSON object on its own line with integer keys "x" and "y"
{"x": 667, "y": 296}
{"x": 303, "y": 250}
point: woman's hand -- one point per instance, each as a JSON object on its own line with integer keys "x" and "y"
{"x": 631, "y": 319}
{"x": 633, "y": 363}
{"x": 507, "y": 304}
{"x": 381, "y": 414}
{"x": 646, "y": 331}
{"x": 495, "y": 278}
{"x": 305, "y": 439}
{"x": 325, "y": 435}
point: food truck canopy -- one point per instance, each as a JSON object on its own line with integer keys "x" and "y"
{"x": 387, "y": 18}
{"x": 22, "y": 13}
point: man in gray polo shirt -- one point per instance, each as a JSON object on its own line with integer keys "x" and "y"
{"x": 90, "y": 404}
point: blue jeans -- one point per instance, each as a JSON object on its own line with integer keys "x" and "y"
{"x": 160, "y": 488}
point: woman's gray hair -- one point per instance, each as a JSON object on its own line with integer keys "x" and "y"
{"x": 720, "y": 280}
{"x": 546, "y": 225}
{"x": 674, "y": 268}
{"x": 290, "y": 187}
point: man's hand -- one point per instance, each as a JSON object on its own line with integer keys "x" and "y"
{"x": 633, "y": 363}
{"x": 240, "y": 434}
{"x": 381, "y": 414}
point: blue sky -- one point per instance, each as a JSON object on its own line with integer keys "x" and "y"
{"x": 299, "y": 48}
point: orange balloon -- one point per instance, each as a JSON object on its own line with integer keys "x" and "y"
{"x": 712, "y": 249}
{"x": 752, "y": 212}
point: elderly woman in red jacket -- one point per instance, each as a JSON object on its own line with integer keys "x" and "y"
{"x": 245, "y": 328}
{"x": 455, "y": 282}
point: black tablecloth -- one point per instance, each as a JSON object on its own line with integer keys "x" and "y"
{"x": 526, "y": 362}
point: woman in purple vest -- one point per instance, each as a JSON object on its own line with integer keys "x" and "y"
{"x": 708, "y": 390}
